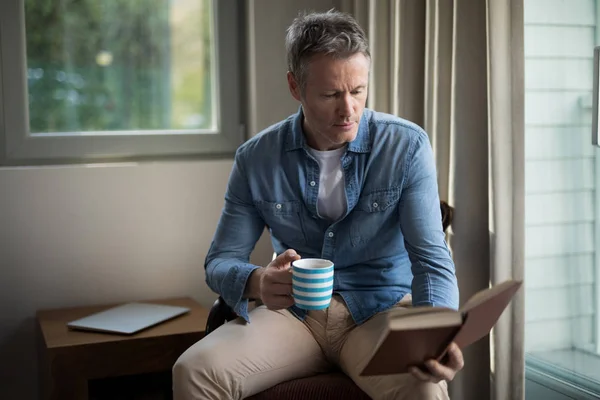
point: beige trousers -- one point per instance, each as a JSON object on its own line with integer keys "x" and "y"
{"x": 240, "y": 359}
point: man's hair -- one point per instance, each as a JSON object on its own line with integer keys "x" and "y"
{"x": 332, "y": 33}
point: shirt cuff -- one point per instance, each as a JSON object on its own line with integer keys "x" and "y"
{"x": 234, "y": 286}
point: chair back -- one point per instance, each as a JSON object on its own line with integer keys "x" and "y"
{"x": 447, "y": 214}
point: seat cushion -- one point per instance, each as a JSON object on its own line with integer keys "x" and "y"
{"x": 334, "y": 385}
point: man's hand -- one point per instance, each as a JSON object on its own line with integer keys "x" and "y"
{"x": 438, "y": 371}
{"x": 273, "y": 284}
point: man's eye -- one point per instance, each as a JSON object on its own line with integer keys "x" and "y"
{"x": 330, "y": 95}
{"x": 357, "y": 92}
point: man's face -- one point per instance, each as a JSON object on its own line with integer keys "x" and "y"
{"x": 333, "y": 99}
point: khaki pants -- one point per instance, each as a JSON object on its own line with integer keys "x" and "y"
{"x": 238, "y": 359}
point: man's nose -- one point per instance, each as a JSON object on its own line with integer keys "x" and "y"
{"x": 345, "y": 106}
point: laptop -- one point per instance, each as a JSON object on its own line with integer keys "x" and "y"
{"x": 128, "y": 319}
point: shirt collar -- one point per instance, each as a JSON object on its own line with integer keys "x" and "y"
{"x": 295, "y": 139}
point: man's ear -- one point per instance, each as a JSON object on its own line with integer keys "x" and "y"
{"x": 293, "y": 85}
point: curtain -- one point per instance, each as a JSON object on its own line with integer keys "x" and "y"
{"x": 456, "y": 68}
{"x": 507, "y": 200}
{"x": 474, "y": 112}
{"x": 467, "y": 166}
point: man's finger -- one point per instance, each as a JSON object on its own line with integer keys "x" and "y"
{"x": 285, "y": 258}
{"x": 280, "y": 289}
{"x": 439, "y": 371}
{"x": 420, "y": 375}
{"x": 455, "y": 357}
{"x": 278, "y": 302}
{"x": 282, "y": 275}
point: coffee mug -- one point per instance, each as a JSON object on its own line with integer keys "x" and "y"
{"x": 312, "y": 283}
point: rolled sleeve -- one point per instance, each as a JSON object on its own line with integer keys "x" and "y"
{"x": 229, "y": 278}
{"x": 434, "y": 279}
{"x": 239, "y": 228}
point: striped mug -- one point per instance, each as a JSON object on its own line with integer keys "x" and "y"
{"x": 312, "y": 283}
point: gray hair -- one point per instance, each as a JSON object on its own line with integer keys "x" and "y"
{"x": 332, "y": 33}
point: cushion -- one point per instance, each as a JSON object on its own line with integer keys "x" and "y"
{"x": 334, "y": 385}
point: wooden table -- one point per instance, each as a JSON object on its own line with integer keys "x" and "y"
{"x": 68, "y": 359}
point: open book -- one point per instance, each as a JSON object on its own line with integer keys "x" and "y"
{"x": 410, "y": 336}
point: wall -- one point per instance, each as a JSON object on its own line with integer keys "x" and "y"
{"x": 561, "y": 178}
{"x": 80, "y": 235}
{"x": 77, "y": 235}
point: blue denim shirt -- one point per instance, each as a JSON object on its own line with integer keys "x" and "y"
{"x": 389, "y": 242}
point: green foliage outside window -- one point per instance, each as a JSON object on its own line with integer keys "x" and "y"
{"x": 119, "y": 65}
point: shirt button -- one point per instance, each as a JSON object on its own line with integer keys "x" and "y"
{"x": 375, "y": 205}
{"x": 313, "y": 183}
{"x": 330, "y": 234}
{"x": 278, "y": 206}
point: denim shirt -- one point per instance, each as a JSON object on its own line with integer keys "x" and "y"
{"x": 389, "y": 242}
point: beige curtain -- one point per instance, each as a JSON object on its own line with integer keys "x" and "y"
{"x": 456, "y": 68}
{"x": 465, "y": 131}
{"x": 507, "y": 185}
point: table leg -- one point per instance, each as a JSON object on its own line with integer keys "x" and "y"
{"x": 70, "y": 388}
{"x": 61, "y": 382}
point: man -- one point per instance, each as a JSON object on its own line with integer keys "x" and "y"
{"x": 334, "y": 181}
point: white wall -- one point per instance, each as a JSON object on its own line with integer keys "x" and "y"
{"x": 76, "y": 235}
{"x": 560, "y": 173}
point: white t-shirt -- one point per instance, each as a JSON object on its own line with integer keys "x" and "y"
{"x": 332, "y": 194}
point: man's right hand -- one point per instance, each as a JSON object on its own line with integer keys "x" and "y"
{"x": 273, "y": 283}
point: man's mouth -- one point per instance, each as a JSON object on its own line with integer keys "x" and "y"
{"x": 345, "y": 126}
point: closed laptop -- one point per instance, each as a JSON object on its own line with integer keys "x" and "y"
{"x": 128, "y": 318}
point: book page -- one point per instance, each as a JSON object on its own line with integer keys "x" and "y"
{"x": 427, "y": 320}
{"x": 400, "y": 312}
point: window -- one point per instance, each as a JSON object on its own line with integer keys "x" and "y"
{"x": 562, "y": 182}
{"x": 120, "y": 79}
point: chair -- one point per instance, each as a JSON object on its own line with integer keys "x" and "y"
{"x": 331, "y": 385}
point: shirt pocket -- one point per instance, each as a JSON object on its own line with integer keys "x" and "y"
{"x": 284, "y": 219}
{"x": 373, "y": 215}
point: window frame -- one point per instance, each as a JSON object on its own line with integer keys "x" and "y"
{"x": 19, "y": 147}
{"x": 596, "y": 54}
{"x": 560, "y": 380}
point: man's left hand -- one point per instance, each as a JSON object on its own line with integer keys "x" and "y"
{"x": 437, "y": 371}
